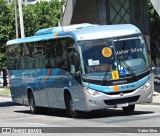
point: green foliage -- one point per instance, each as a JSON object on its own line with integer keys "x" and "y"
{"x": 41, "y": 15}
{"x": 154, "y": 30}
{"x": 5, "y": 29}
{"x": 154, "y": 22}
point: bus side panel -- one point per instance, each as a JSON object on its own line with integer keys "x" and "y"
{"x": 58, "y": 81}
{"x": 17, "y": 86}
{"x": 29, "y": 77}
{"x": 14, "y": 86}
{"x": 47, "y": 87}
{"x": 52, "y": 81}
{"x": 40, "y": 92}
{"x": 75, "y": 88}
{"x": 20, "y": 82}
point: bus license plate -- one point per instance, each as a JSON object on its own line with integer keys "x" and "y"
{"x": 122, "y": 105}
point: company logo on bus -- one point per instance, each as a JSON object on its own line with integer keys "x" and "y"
{"x": 127, "y": 86}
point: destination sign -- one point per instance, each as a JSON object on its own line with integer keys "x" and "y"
{"x": 99, "y": 68}
{"x": 97, "y": 43}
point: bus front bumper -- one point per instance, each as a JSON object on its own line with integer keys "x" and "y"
{"x": 103, "y": 101}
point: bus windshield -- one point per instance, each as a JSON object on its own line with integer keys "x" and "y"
{"x": 107, "y": 55}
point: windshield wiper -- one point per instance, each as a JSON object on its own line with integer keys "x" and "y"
{"x": 128, "y": 67}
{"x": 105, "y": 78}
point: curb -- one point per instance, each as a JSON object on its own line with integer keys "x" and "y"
{"x": 156, "y": 94}
{"x": 6, "y": 95}
{"x": 5, "y": 87}
{"x": 153, "y": 103}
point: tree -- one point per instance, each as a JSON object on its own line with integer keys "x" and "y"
{"x": 6, "y": 31}
{"x": 154, "y": 32}
{"x": 41, "y": 15}
{"x": 154, "y": 21}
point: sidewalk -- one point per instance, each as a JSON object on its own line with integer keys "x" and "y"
{"x": 156, "y": 100}
{"x": 2, "y": 88}
{"x": 156, "y": 93}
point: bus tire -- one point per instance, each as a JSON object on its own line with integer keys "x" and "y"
{"x": 71, "y": 111}
{"x": 129, "y": 109}
{"x": 32, "y": 105}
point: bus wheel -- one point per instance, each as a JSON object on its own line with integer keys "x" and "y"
{"x": 71, "y": 111}
{"x": 129, "y": 109}
{"x": 32, "y": 105}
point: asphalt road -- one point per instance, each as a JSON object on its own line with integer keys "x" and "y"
{"x": 13, "y": 115}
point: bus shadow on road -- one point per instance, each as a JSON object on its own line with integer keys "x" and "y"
{"x": 87, "y": 115}
{"x": 8, "y": 104}
{"x": 112, "y": 113}
{"x": 46, "y": 112}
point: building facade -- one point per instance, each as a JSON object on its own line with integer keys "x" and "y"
{"x": 107, "y": 12}
{"x": 156, "y": 5}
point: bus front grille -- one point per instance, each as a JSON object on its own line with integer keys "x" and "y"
{"x": 122, "y": 100}
{"x": 115, "y": 93}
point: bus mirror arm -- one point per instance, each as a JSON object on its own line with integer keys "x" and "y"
{"x": 74, "y": 49}
{"x": 78, "y": 75}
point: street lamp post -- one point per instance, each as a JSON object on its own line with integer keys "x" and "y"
{"x": 21, "y": 18}
{"x": 25, "y": 2}
{"x": 16, "y": 20}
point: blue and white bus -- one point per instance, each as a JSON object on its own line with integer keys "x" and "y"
{"x": 80, "y": 67}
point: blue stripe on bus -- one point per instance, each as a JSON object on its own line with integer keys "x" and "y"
{"x": 121, "y": 88}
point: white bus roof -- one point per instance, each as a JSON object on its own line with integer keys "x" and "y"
{"x": 80, "y": 32}
{"x": 105, "y": 31}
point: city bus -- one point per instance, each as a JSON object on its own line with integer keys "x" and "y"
{"x": 80, "y": 68}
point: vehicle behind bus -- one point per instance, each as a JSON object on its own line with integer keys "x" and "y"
{"x": 80, "y": 67}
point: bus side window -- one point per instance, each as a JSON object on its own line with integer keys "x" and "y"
{"x": 62, "y": 54}
{"x": 72, "y": 61}
{"x": 38, "y": 53}
{"x": 11, "y": 59}
{"x": 18, "y": 56}
{"x": 50, "y": 46}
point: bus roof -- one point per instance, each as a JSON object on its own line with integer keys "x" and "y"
{"x": 61, "y": 29}
{"x": 80, "y": 32}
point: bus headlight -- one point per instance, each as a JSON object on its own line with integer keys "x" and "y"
{"x": 91, "y": 91}
{"x": 147, "y": 85}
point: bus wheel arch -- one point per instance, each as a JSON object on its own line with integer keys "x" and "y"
{"x": 31, "y": 101}
{"x": 71, "y": 111}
